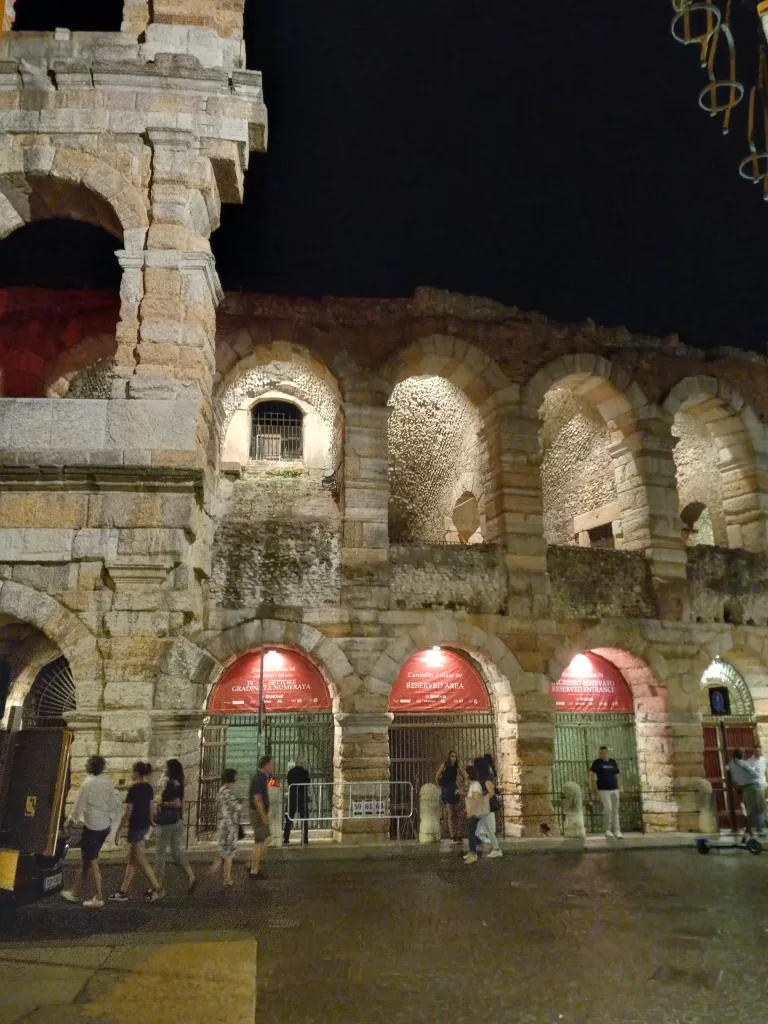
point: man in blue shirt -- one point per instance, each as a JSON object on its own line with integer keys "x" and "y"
{"x": 604, "y": 776}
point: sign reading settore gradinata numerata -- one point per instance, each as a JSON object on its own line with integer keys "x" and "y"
{"x": 591, "y": 683}
{"x": 291, "y": 683}
{"x": 438, "y": 680}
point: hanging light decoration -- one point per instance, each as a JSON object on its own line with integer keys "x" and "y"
{"x": 721, "y": 95}
{"x": 754, "y": 166}
{"x": 726, "y": 44}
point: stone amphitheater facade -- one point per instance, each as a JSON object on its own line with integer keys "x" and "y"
{"x": 133, "y": 544}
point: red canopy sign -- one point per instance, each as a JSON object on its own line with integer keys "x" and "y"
{"x": 590, "y": 683}
{"x": 291, "y": 683}
{"x": 438, "y": 680}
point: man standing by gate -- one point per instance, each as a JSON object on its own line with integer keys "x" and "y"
{"x": 604, "y": 774}
{"x": 260, "y": 813}
{"x": 298, "y": 801}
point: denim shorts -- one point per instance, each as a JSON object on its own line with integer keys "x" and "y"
{"x": 137, "y": 835}
{"x": 91, "y": 842}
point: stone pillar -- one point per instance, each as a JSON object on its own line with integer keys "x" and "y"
{"x": 514, "y": 504}
{"x": 526, "y": 743}
{"x": 361, "y": 756}
{"x": 745, "y": 502}
{"x": 365, "y": 540}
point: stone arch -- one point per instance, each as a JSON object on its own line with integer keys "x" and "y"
{"x": 439, "y": 437}
{"x": 719, "y": 413}
{"x": 285, "y": 370}
{"x": 46, "y": 182}
{"x": 224, "y": 648}
{"x": 72, "y": 638}
{"x": 623, "y": 418}
{"x": 463, "y": 364}
{"x": 665, "y": 718}
{"x": 724, "y": 673}
{"x": 519, "y": 700}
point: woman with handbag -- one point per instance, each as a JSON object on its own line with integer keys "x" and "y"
{"x": 485, "y": 832}
{"x": 477, "y": 807}
{"x": 170, "y": 827}
{"x": 450, "y": 778}
{"x": 228, "y": 814}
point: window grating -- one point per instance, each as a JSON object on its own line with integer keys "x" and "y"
{"x": 277, "y": 432}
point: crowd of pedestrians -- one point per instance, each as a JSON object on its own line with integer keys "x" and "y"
{"x": 99, "y": 809}
{"x": 478, "y": 786}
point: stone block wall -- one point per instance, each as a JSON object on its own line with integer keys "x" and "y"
{"x": 453, "y": 577}
{"x": 593, "y": 583}
{"x": 728, "y": 586}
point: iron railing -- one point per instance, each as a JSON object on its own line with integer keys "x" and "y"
{"x": 276, "y": 436}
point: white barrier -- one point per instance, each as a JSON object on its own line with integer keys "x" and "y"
{"x": 344, "y": 801}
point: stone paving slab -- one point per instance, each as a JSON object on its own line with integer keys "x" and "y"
{"x": 177, "y": 979}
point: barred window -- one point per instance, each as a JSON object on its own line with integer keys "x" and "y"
{"x": 277, "y": 432}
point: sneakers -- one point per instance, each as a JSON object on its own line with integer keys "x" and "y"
{"x": 93, "y": 903}
{"x": 155, "y": 895}
{"x": 119, "y": 897}
{"x": 69, "y": 896}
{"x": 608, "y": 834}
{"x": 470, "y": 858}
{"x": 619, "y": 835}
{"x": 495, "y": 853}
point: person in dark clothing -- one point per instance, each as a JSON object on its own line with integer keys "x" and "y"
{"x": 138, "y": 817}
{"x": 451, "y": 778}
{"x": 297, "y": 781}
{"x": 259, "y": 801}
{"x": 605, "y": 780}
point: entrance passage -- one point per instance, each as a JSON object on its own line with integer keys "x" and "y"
{"x": 440, "y": 703}
{"x": 296, "y": 726}
{"x": 597, "y": 711}
{"x": 728, "y": 723}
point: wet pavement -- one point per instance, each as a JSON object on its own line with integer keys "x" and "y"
{"x": 635, "y": 937}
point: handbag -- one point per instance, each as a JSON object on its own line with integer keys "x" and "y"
{"x": 478, "y": 805}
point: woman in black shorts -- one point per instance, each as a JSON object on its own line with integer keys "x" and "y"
{"x": 138, "y": 818}
{"x": 97, "y": 808}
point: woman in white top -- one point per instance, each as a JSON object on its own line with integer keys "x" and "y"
{"x": 97, "y": 806}
{"x": 477, "y": 804}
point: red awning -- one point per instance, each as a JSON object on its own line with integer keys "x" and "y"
{"x": 438, "y": 680}
{"x": 291, "y": 683}
{"x": 591, "y": 683}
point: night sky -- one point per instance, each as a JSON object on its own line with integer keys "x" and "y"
{"x": 552, "y": 157}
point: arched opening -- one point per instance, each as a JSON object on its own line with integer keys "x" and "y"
{"x": 698, "y": 528}
{"x": 277, "y": 432}
{"x": 578, "y": 478}
{"x": 279, "y": 705}
{"x": 59, "y": 315}
{"x": 40, "y": 684}
{"x": 729, "y": 722}
{"x": 47, "y": 15}
{"x": 594, "y": 708}
{"x": 437, "y": 454}
{"x": 52, "y": 696}
{"x": 440, "y": 702}
{"x": 466, "y": 521}
{"x": 699, "y": 483}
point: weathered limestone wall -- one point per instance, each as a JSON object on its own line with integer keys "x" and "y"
{"x": 435, "y": 455}
{"x": 592, "y": 583}
{"x": 698, "y": 471}
{"x": 456, "y": 577}
{"x": 577, "y": 471}
{"x": 728, "y": 586}
{"x": 277, "y": 542}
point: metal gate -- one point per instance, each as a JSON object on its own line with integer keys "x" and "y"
{"x": 418, "y": 745}
{"x": 234, "y": 741}
{"x": 721, "y": 737}
{"x": 578, "y": 737}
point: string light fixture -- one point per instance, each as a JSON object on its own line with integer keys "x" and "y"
{"x": 731, "y": 39}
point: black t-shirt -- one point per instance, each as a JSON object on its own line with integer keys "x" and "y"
{"x": 174, "y": 790}
{"x": 140, "y": 796}
{"x": 298, "y": 798}
{"x": 260, "y": 787}
{"x": 607, "y": 773}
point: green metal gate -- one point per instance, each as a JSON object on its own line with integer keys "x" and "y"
{"x": 578, "y": 737}
{"x": 418, "y": 745}
{"x": 233, "y": 741}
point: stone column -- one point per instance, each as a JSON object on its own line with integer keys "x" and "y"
{"x": 365, "y": 540}
{"x": 514, "y": 503}
{"x": 526, "y": 766}
{"x": 745, "y": 500}
{"x": 361, "y": 755}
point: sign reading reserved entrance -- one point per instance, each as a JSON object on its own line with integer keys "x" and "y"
{"x": 438, "y": 680}
{"x": 291, "y": 683}
{"x": 590, "y": 683}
